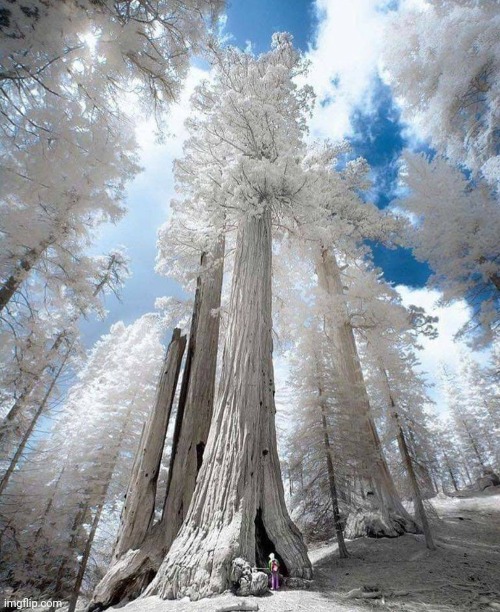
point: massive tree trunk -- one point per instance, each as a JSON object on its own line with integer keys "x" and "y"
{"x": 385, "y": 515}
{"x": 196, "y": 408}
{"x": 138, "y": 511}
{"x": 129, "y": 574}
{"x": 238, "y": 507}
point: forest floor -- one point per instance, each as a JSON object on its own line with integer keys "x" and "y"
{"x": 462, "y": 575}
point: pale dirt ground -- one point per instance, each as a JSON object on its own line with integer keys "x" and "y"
{"x": 463, "y": 575}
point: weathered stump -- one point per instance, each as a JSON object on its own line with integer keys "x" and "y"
{"x": 373, "y": 523}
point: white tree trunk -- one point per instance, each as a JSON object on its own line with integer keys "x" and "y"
{"x": 128, "y": 576}
{"x": 364, "y": 449}
{"x": 196, "y": 407}
{"x": 138, "y": 511}
{"x": 238, "y": 508}
{"x": 343, "y": 553}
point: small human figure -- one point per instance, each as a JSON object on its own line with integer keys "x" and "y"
{"x": 274, "y": 567}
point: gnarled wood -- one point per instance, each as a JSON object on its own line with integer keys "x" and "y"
{"x": 129, "y": 575}
{"x": 138, "y": 511}
{"x": 195, "y": 410}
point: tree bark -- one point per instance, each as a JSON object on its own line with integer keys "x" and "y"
{"x": 85, "y": 557}
{"x": 138, "y": 511}
{"x": 24, "y": 267}
{"x": 343, "y": 553}
{"x": 417, "y": 496}
{"x": 61, "y": 588}
{"x": 238, "y": 507}
{"x": 196, "y": 405}
{"x": 450, "y": 472}
{"x": 128, "y": 576}
{"x": 365, "y": 447}
{"x": 421, "y": 514}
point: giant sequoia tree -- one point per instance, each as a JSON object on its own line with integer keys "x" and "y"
{"x": 255, "y": 113}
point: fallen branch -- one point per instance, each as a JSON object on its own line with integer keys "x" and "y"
{"x": 364, "y": 593}
{"x": 241, "y": 606}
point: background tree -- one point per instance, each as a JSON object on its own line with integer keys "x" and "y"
{"x": 77, "y": 474}
{"x": 444, "y": 71}
{"x": 456, "y": 232}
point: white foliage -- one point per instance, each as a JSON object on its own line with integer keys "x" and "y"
{"x": 88, "y": 453}
{"x": 457, "y": 232}
{"x": 443, "y": 60}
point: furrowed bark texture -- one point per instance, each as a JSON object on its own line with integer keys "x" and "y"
{"x": 238, "y": 508}
{"x": 196, "y": 408}
{"x": 129, "y": 575}
{"x": 138, "y": 512}
{"x": 365, "y": 447}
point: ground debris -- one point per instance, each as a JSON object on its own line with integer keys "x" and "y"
{"x": 240, "y": 606}
{"x": 373, "y": 592}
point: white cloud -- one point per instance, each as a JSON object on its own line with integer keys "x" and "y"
{"x": 443, "y": 350}
{"x": 156, "y": 155}
{"x": 344, "y": 61}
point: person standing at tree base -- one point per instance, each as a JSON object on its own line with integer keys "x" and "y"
{"x": 274, "y": 568}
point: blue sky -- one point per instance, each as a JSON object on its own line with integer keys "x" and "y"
{"x": 343, "y": 41}
{"x": 376, "y": 135}
{"x": 256, "y": 21}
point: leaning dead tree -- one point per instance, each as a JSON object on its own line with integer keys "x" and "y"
{"x": 133, "y": 569}
{"x": 138, "y": 511}
{"x": 382, "y": 514}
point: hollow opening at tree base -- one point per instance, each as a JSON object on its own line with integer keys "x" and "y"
{"x": 264, "y": 546}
